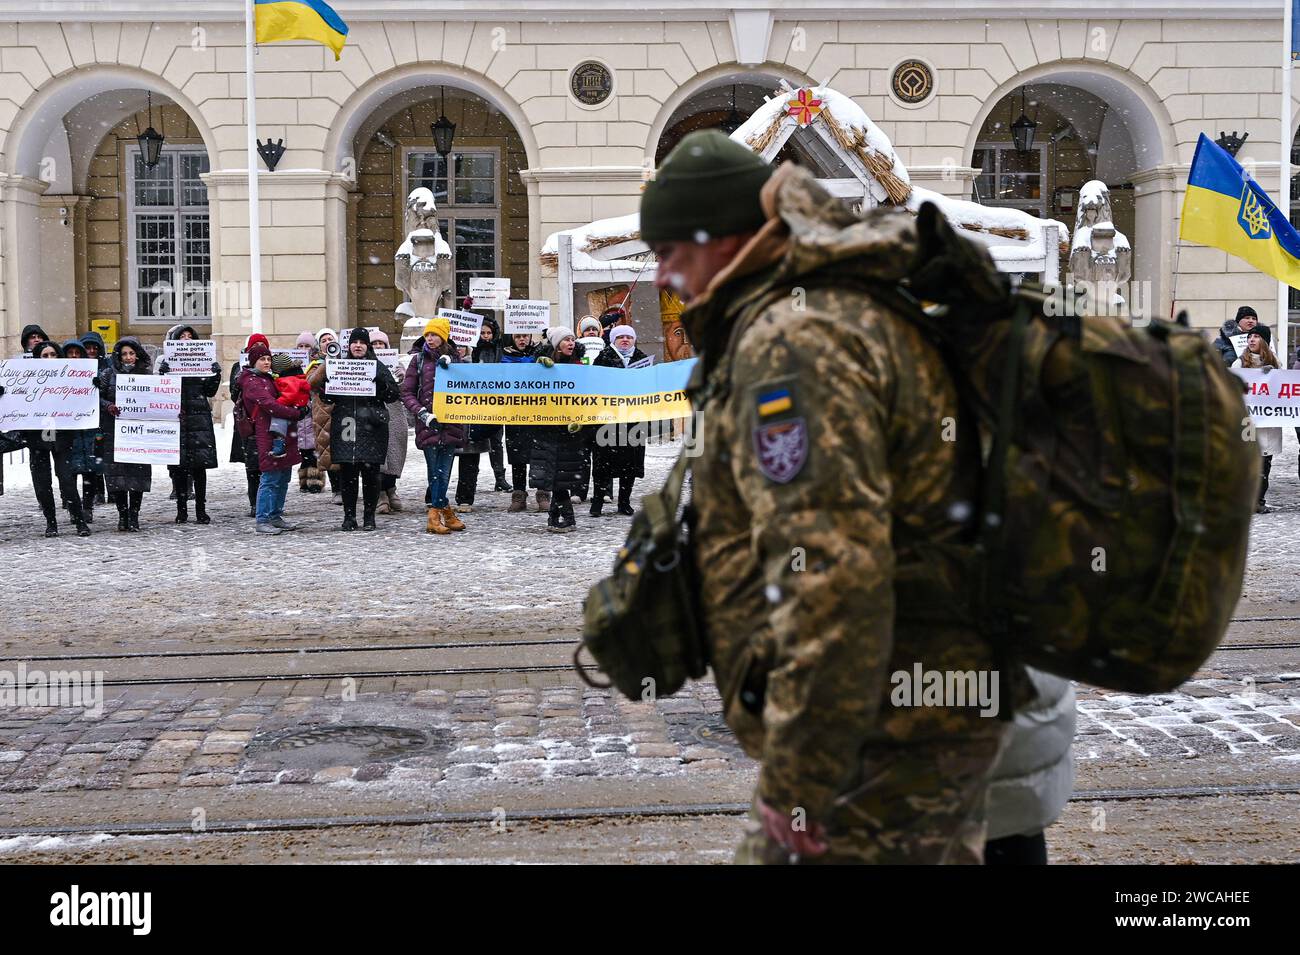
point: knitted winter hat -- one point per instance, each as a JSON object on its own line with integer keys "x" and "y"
{"x": 305, "y": 340}
{"x": 257, "y": 338}
{"x": 379, "y": 339}
{"x": 359, "y": 334}
{"x": 558, "y": 333}
{"x": 589, "y": 321}
{"x": 1263, "y": 332}
{"x": 440, "y": 327}
{"x": 326, "y": 331}
{"x": 707, "y": 187}
{"x": 1244, "y": 311}
{"x": 257, "y": 351}
{"x": 282, "y": 363}
{"x": 619, "y": 330}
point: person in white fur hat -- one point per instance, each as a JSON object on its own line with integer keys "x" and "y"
{"x": 626, "y": 459}
{"x": 590, "y": 341}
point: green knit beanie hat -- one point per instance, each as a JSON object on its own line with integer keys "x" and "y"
{"x": 707, "y": 187}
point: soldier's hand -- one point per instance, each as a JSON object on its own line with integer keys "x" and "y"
{"x": 780, "y": 828}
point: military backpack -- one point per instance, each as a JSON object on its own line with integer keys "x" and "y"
{"x": 1119, "y": 475}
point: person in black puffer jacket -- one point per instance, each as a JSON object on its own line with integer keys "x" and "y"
{"x": 625, "y": 458}
{"x": 359, "y": 434}
{"x": 198, "y": 437}
{"x": 519, "y": 349}
{"x": 128, "y": 483}
{"x": 46, "y": 448}
{"x": 93, "y": 490}
{"x": 557, "y": 459}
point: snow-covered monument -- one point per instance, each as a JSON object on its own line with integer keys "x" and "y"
{"x": 422, "y": 267}
{"x": 854, "y": 160}
{"x": 1101, "y": 260}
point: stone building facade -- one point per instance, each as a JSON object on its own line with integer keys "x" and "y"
{"x": 87, "y": 233}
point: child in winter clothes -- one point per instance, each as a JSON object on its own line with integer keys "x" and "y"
{"x": 291, "y": 384}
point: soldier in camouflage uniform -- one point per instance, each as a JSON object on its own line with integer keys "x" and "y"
{"x": 833, "y": 508}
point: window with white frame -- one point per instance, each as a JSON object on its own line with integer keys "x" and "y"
{"x": 169, "y": 253}
{"x": 466, "y": 188}
{"x": 1010, "y": 178}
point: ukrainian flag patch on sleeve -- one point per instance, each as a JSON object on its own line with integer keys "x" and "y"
{"x": 774, "y": 402}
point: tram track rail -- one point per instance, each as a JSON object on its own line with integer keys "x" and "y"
{"x": 562, "y": 814}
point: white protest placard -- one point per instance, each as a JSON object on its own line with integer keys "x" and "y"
{"x": 190, "y": 357}
{"x": 526, "y": 316}
{"x": 148, "y": 397}
{"x": 1272, "y": 396}
{"x": 388, "y": 356}
{"x": 645, "y": 362}
{"x": 489, "y": 292}
{"x": 350, "y": 377}
{"x": 146, "y": 442}
{"x": 1239, "y": 343}
{"x": 49, "y": 393}
{"x": 466, "y": 327}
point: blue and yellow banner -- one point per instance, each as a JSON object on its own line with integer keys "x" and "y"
{"x": 299, "y": 20}
{"x": 564, "y": 394}
{"x": 1226, "y": 209}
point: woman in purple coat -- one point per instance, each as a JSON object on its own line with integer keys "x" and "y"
{"x": 438, "y": 441}
{"x": 258, "y": 392}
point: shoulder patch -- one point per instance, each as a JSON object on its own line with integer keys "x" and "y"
{"x": 782, "y": 449}
{"x": 774, "y": 402}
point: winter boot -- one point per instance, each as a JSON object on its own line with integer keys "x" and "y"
{"x": 543, "y": 501}
{"x": 502, "y": 484}
{"x": 253, "y": 479}
{"x": 123, "y": 517}
{"x": 625, "y": 496}
{"x": 51, "y": 524}
{"x": 1266, "y": 465}
{"x": 394, "y": 504}
{"x": 201, "y": 511}
{"x": 182, "y": 509}
{"x": 368, "y": 519}
{"x": 88, "y": 505}
{"x": 82, "y": 529}
{"x": 349, "y": 518}
{"x": 451, "y": 521}
{"x": 566, "y": 513}
{"x": 133, "y": 510}
{"x": 518, "y": 502}
{"x": 602, "y": 491}
{"x": 383, "y": 507}
{"x": 433, "y": 523}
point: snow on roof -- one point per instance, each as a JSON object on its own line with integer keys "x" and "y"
{"x": 1012, "y": 236}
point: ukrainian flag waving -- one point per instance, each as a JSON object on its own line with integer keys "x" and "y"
{"x": 1226, "y": 209}
{"x": 299, "y": 20}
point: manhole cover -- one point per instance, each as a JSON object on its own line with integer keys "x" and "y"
{"x": 702, "y": 729}
{"x": 324, "y": 746}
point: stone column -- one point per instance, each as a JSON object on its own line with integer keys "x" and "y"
{"x": 21, "y": 243}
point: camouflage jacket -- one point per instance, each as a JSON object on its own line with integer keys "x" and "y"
{"x": 833, "y": 503}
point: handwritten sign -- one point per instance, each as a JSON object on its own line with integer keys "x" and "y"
{"x": 489, "y": 292}
{"x": 389, "y": 357}
{"x": 148, "y": 397}
{"x": 645, "y": 362}
{"x": 350, "y": 377}
{"x": 49, "y": 394}
{"x": 525, "y": 316}
{"x": 1239, "y": 343}
{"x": 466, "y": 327}
{"x": 345, "y": 335}
{"x": 190, "y": 358}
{"x": 146, "y": 442}
{"x": 300, "y": 355}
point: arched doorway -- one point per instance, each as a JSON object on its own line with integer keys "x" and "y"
{"x": 1083, "y": 125}
{"x": 95, "y": 235}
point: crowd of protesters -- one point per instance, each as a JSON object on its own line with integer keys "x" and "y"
{"x": 284, "y": 416}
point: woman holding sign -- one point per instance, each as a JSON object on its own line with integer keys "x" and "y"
{"x": 624, "y": 459}
{"x": 56, "y": 447}
{"x": 1259, "y": 355}
{"x": 127, "y": 483}
{"x": 519, "y": 437}
{"x": 198, "y": 437}
{"x": 359, "y": 431}
{"x": 438, "y": 441}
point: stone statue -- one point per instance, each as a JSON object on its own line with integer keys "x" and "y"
{"x": 422, "y": 268}
{"x": 1101, "y": 260}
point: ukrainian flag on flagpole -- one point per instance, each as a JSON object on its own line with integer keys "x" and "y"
{"x": 299, "y": 20}
{"x": 1226, "y": 209}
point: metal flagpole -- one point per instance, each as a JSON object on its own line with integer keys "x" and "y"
{"x": 1284, "y": 173}
{"x": 254, "y": 213}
